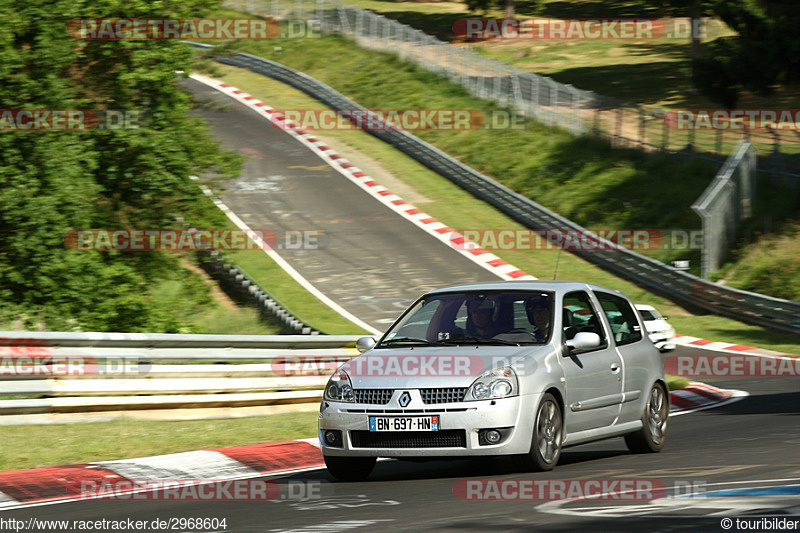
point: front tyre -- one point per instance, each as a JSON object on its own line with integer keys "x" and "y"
{"x": 350, "y": 468}
{"x": 547, "y": 437}
{"x": 653, "y": 434}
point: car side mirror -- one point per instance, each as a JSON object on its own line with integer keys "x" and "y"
{"x": 584, "y": 340}
{"x": 365, "y": 343}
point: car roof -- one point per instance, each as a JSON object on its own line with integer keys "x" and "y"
{"x": 644, "y": 307}
{"x": 526, "y": 285}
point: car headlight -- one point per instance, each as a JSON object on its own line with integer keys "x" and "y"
{"x": 496, "y": 383}
{"x": 339, "y": 388}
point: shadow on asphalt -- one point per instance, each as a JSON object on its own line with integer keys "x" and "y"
{"x": 785, "y": 403}
{"x": 465, "y": 468}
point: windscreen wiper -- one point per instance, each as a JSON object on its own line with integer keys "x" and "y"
{"x": 483, "y": 340}
{"x": 416, "y": 340}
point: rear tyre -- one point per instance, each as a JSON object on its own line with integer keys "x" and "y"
{"x": 350, "y": 468}
{"x": 653, "y": 434}
{"x": 548, "y": 435}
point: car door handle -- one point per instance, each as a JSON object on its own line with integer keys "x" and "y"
{"x": 614, "y": 368}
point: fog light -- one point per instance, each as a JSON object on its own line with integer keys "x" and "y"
{"x": 492, "y": 436}
{"x": 330, "y": 437}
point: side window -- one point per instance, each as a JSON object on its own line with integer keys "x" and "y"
{"x": 622, "y": 318}
{"x": 579, "y": 316}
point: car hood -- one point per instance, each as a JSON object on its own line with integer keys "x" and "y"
{"x": 656, "y": 326}
{"x": 438, "y": 366}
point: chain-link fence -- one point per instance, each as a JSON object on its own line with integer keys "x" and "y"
{"x": 724, "y": 204}
{"x": 538, "y": 97}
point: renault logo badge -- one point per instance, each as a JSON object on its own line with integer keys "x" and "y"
{"x": 404, "y": 399}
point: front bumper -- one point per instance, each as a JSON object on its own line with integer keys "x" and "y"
{"x": 663, "y": 341}
{"x": 513, "y": 414}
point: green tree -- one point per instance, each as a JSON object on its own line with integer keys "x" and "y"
{"x": 695, "y": 10}
{"x": 56, "y": 181}
{"x": 509, "y": 6}
{"x": 764, "y": 52}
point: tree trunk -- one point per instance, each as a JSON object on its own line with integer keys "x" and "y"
{"x": 511, "y": 10}
{"x": 696, "y": 14}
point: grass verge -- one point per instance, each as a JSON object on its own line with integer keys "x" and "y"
{"x": 48, "y": 445}
{"x": 445, "y": 201}
{"x": 102, "y": 441}
{"x": 677, "y": 382}
{"x": 283, "y": 288}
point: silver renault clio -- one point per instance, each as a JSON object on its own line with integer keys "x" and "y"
{"x": 520, "y": 368}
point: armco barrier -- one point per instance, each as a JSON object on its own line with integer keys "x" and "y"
{"x": 236, "y": 281}
{"x": 685, "y": 289}
{"x": 90, "y": 372}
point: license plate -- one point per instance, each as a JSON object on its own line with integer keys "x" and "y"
{"x": 404, "y": 423}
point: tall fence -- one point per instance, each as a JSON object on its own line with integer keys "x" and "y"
{"x": 534, "y": 96}
{"x": 691, "y": 291}
{"x": 724, "y": 204}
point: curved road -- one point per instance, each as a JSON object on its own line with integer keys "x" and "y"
{"x": 750, "y": 443}
{"x": 373, "y": 262}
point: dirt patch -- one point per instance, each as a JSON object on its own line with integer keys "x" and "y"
{"x": 216, "y": 292}
{"x": 375, "y": 170}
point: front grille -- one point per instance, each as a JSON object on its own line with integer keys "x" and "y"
{"x": 448, "y": 438}
{"x": 450, "y": 395}
{"x": 373, "y": 396}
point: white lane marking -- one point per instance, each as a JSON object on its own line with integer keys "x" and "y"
{"x": 723, "y": 506}
{"x": 333, "y": 527}
{"x": 369, "y": 185}
{"x": 287, "y": 267}
{"x": 340, "y": 502}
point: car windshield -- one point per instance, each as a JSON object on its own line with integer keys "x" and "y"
{"x": 499, "y": 317}
{"x": 649, "y": 315}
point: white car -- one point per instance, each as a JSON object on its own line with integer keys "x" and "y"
{"x": 659, "y": 330}
{"x": 516, "y": 368}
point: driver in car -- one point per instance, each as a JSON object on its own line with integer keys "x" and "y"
{"x": 481, "y": 320}
{"x": 538, "y": 310}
